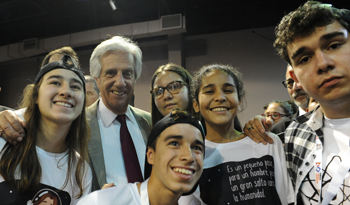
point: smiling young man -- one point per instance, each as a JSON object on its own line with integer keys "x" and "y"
{"x": 315, "y": 40}
{"x": 174, "y": 164}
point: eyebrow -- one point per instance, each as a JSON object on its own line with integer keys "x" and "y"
{"x": 179, "y": 137}
{"x": 323, "y": 38}
{"x": 61, "y": 77}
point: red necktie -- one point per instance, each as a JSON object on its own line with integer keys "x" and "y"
{"x": 131, "y": 162}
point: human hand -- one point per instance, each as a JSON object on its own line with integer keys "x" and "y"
{"x": 11, "y": 127}
{"x": 256, "y": 129}
{"x": 108, "y": 185}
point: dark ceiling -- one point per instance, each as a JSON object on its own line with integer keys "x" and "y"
{"x": 25, "y": 19}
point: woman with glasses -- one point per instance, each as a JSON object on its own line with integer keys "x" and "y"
{"x": 170, "y": 90}
{"x": 278, "y": 110}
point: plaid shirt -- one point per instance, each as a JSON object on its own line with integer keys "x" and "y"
{"x": 300, "y": 137}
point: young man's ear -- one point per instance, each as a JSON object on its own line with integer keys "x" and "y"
{"x": 195, "y": 106}
{"x": 150, "y": 155}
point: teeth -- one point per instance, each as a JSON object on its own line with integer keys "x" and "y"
{"x": 118, "y": 93}
{"x": 183, "y": 171}
{"x": 63, "y": 104}
{"x": 218, "y": 109}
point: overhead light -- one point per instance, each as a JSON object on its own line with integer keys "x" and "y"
{"x": 111, "y": 2}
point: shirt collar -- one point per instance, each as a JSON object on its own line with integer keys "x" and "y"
{"x": 108, "y": 116}
{"x": 301, "y": 111}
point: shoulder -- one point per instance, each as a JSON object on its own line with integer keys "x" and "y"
{"x": 141, "y": 113}
{"x": 91, "y": 111}
{"x": 121, "y": 194}
{"x": 2, "y": 108}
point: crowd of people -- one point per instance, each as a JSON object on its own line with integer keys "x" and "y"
{"x": 77, "y": 139}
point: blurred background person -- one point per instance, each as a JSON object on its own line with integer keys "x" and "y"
{"x": 92, "y": 91}
{"x": 277, "y": 110}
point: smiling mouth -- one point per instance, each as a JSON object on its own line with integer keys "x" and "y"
{"x": 219, "y": 109}
{"x": 63, "y": 104}
{"x": 118, "y": 93}
{"x": 183, "y": 171}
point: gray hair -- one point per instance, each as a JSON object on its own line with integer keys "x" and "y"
{"x": 117, "y": 43}
{"x": 90, "y": 79}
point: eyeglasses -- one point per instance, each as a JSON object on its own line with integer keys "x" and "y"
{"x": 173, "y": 88}
{"x": 274, "y": 115}
{"x": 288, "y": 83}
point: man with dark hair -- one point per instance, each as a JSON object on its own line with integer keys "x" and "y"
{"x": 92, "y": 91}
{"x": 174, "y": 164}
{"x": 315, "y": 40}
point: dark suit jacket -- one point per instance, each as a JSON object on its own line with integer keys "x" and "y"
{"x": 282, "y": 125}
{"x": 97, "y": 161}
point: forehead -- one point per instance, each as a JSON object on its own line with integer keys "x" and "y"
{"x": 117, "y": 60}
{"x": 309, "y": 42}
{"x": 67, "y": 74}
{"x": 217, "y": 77}
{"x": 89, "y": 85}
{"x": 274, "y": 107}
{"x": 166, "y": 77}
{"x": 187, "y": 131}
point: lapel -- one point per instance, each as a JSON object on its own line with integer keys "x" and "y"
{"x": 95, "y": 145}
{"x": 142, "y": 122}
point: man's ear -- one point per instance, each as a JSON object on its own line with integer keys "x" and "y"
{"x": 294, "y": 77}
{"x": 150, "y": 155}
{"x": 98, "y": 82}
{"x": 195, "y": 106}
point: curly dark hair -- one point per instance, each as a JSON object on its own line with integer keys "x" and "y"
{"x": 303, "y": 22}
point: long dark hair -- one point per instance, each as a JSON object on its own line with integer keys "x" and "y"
{"x": 24, "y": 156}
{"x": 186, "y": 77}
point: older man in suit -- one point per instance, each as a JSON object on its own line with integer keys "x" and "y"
{"x": 116, "y": 65}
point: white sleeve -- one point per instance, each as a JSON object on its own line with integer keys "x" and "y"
{"x": 283, "y": 182}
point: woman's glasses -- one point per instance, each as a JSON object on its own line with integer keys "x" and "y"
{"x": 173, "y": 88}
{"x": 274, "y": 115}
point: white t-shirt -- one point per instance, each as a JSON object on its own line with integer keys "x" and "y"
{"x": 336, "y": 145}
{"x": 121, "y": 194}
{"x": 54, "y": 169}
{"x": 243, "y": 172}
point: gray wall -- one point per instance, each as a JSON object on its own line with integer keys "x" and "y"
{"x": 249, "y": 50}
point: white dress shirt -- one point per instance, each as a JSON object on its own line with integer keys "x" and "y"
{"x": 112, "y": 151}
{"x": 301, "y": 111}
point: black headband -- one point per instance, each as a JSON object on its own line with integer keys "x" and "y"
{"x": 174, "y": 117}
{"x": 62, "y": 64}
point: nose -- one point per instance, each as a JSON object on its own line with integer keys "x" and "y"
{"x": 268, "y": 117}
{"x": 119, "y": 80}
{"x": 324, "y": 62}
{"x": 297, "y": 86}
{"x": 66, "y": 91}
{"x": 167, "y": 95}
{"x": 220, "y": 97}
{"x": 186, "y": 153}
